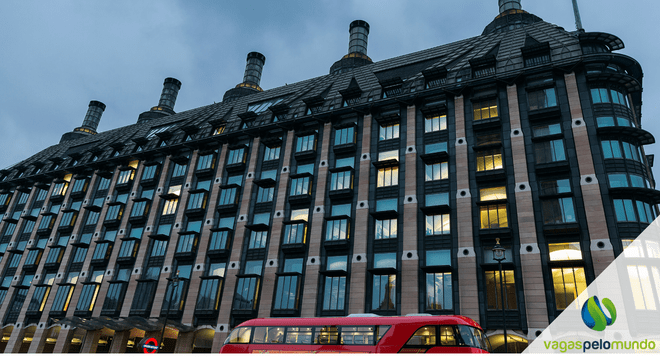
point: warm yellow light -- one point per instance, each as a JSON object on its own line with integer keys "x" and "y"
{"x": 5, "y": 338}
{"x": 68, "y": 177}
{"x": 176, "y": 190}
{"x": 51, "y": 340}
{"x": 27, "y": 339}
{"x": 133, "y": 164}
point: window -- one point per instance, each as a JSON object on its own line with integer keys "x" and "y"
{"x": 299, "y": 214}
{"x": 599, "y": 96}
{"x": 388, "y": 132}
{"x": 149, "y": 172}
{"x": 175, "y": 295}
{"x": 388, "y": 176}
{"x": 437, "y": 199}
{"x": 345, "y": 136}
{"x": 197, "y": 201}
{"x": 341, "y": 180}
{"x": 437, "y": 224}
{"x": 631, "y": 210}
{"x": 547, "y": 129}
{"x": 541, "y": 99}
{"x": 493, "y": 216}
{"x": 62, "y": 298}
{"x": 605, "y": 121}
{"x": 558, "y": 210}
{"x": 569, "y": 281}
{"x": 485, "y": 109}
{"x": 439, "y": 291}
{"x": 39, "y": 298}
{"x": 206, "y": 162}
{"x": 306, "y": 143}
{"x": 169, "y": 206}
{"x": 88, "y": 296}
{"x": 125, "y": 176}
{"x": 80, "y": 185}
{"x": 209, "y": 290}
{"x": 287, "y": 292}
{"x": 549, "y": 151}
{"x": 247, "y": 289}
{"x": 338, "y": 229}
{"x": 384, "y": 286}
{"x": 388, "y": 155}
{"x": 236, "y": 156}
{"x": 435, "y": 123}
{"x": 271, "y": 153}
{"x": 619, "y": 98}
{"x": 437, "y": 171}
{"x": 387, "y": 205}
{"x": 140, "y": 208}
{"x": 621, "y": 180}
{"x": 345, "y": 162}
{"x": 258, "y": 239}
{"x": 489, "y": 160}
{"x": 300, "y": 186}
{"x": 494, "y": 285}
{"x": 386, "y": 229}
{"x": 295, "y": 233}
{"x": 59, "y": 189}
{"x": 115, "y": 212}
{"x": 612, "y": 150}
{"x": 179, "y": 170}
{"x": 334, "y": 291}
{"x": 219, "y": 240}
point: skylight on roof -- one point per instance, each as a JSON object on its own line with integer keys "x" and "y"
{"x": 159, "y": 129}
{"x": 262, "y": 106}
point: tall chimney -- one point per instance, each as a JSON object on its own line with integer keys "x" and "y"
{"x": 90, "y": 122}
{"x": 253, "y": 68}
{"x": 251, "y": 79}
{"x": 171, "y": 88}
{"x": 93, "y": 116}
{"x": 359, "y": 30}
{"x": 509, "y": 5}
{"x": 357, "y": 49}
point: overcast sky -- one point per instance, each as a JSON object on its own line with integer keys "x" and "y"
{"x": 56, "y": 56}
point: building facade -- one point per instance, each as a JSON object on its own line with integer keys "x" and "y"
{"x": 381, "y": 188}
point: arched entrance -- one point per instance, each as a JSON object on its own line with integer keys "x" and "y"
{"x": 28, "y": 335}
{"x": 52, "y": 334}
{"x": 6, "y": 333}
{"x": 203, "y": 340}
{"x": 515, "y": 342}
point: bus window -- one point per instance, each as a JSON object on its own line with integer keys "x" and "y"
{"x": 480, "y": 338}
{"x": 327, "y": 335}
{"x": 424, "y": 336}
{"x": 467, "y": 336}
{"x": 381, "y": 330}
{"x": 447, "y": 337}
{"x": 357, "y": 335}
{"x": 268, "y": 335}
{"x": 239, "y": 335}
{"x": 299, "y": 335}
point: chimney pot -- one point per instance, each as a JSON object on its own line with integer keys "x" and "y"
{"x": 171, "y": 87}
{"x": 509, "y": 5}
{"x": 359, "y": 33}
{"x": 93, "y": 116}
{"x": 253, "y": 68}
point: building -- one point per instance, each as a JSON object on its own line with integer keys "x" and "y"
{"x": 381, "y": 187}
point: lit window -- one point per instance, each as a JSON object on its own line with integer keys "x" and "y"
{"x": 388, "y": 176}
{"x": 485, "y": 109}
{"x": 169, "y": 207}
{"x": 489, "y": 160}
{"x": 218, "y": 130}
{"x": 388, "y": 155}
{"x": 569, "y": 281}
{"x": 435, "y": 123}
{"x": 494, "y": 286}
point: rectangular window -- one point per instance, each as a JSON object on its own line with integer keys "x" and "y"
{"x": 258, "y": 239}
{"x": 265, "y": 194}
{"x": 305, "y": 169}
{"x": 300, "y": 186}
{"x": 62, "y": 298}
{"x": 387, "y": 205}
{"x": 287, "y": 293}
{"x": 79, "y": 185}
{"x": 541, "y": 99}
{"x": 437, "y": 224}
{"x": 439, "y": 291}
{"x": 383, "y": 292}
{"x": 386, "y": 229}
{"x": 187, "y": 243}
{"x": 206, "y": 162}
{"x": 125, "y": 176}
{"x": 80, "y": 254}
{"x": 337, "y": 230}
{"x": 558, "y": 211}
{"x": 494, "y": 286}
{"x": 485, "y": 109}
{"x": 179, "y": 170}
{"x": 388, "y": 132}
{"x": 69, "y": 218}
{"x": 388, "y": 176}
{"x": 295, "y": 234}
{"x": 619, "y": 98}
{"x": 306, "y": 143}
{"x": 489, "y": 160}
{"x": 197, "y": 201}
{"x": 149, "y": 172}
{"x": 115, "y": 212}
{"x": 568, "y": 283}
{"x": 599, "y": 96}
{"x": 271, "y": 153}
{"x": 625, "y": 210}
{"x": 549, "y": 151}
{"x": 388, "y": 155}
{"x": 169, "y": 207}
{"x": 349, "y": 161}
{"x": 140, "y": 208}
{"x": 246, "y": 293}
{"x": 345, "y": 136}
{"x": 209, "y": 295}
{"x": 493, "y": 216}
{"x": 88, "y": 296}
{"x": 228, "y": 196}
{"x": 438, "y": 171}
{"x": 39, "y": 297}
{"x": 547, "y": 129}
{"x": 435, "y": 148}
{"x": 236, "y": 156}
{"x": 104, "y": 183}
{"x": 59, "y": 189}
{"x": 435, "y": 123}
{"x": 102, "y": 251}
{"x": 341, "y": 180}
{"x": 219, "y": 240}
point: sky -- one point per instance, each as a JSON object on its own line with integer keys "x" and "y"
{"x": 56, "y": 56}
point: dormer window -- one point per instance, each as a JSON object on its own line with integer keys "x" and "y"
{"x": 391, "y": 87}
{"x": 435, "y": 77}
{"x": 314, "y": 105}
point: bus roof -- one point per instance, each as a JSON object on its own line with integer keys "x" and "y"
{"x": 364, "y": 321}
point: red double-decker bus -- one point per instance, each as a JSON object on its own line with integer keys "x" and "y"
{"x": 358, "y": 334}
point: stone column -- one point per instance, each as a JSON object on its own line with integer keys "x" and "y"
{"x": 410, "y": 260}
{"x": 467, "y": 263}
{"x": 602, "y": 255}
{"x": 91, "y": 342}
{"x": 358, "y": 273}
{"x": 184, "y": 343}
{"x": 530, "y": 256}
{"x": 120, "y": 341}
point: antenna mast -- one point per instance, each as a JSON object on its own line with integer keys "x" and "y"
{"x": 576, "y": 12}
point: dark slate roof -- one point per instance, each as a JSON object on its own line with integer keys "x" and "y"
{"x": 456, "y": 56}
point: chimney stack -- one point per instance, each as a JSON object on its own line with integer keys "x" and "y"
{"x": 171, "y": 87}
{"x": 90, "y": 122}
{"x": 357, "y": 49}
{"x": 509, "y": 5}
{"x": 251, "y": 79}
{"x": 359, "y": 30}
